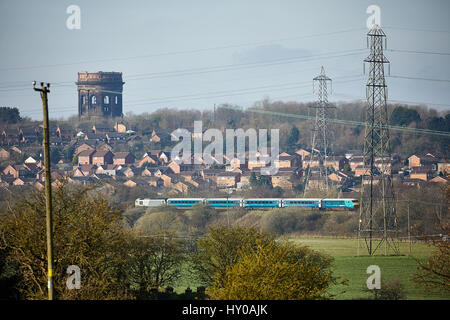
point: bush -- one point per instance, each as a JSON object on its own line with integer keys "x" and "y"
{"x": 275, "y": 271}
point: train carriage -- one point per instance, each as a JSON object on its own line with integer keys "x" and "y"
{"x": 184, "y": 202}
{"x": 224, "y": 203}
{"x": 149, "y": 202}
{"x": 298, "y": 202}
{"x": 262, "y": 203}
{"x": 339, "y": 203}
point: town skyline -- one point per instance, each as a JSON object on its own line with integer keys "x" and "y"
{"x": 195, "y": 67}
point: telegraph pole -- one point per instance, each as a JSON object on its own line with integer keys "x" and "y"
{"x": 320, "y": 132}
{"x": 44, "y": 90}
{"x": 409, "y": 231}
{"x": 377, "y": 218}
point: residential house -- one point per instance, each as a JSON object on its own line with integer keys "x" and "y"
{"x": 108, "y": 169}
{"x": 337, "y": 162}
{"x": 443, "y": 167}
{"x": 308, "y": 161}
{"x": 102, "y": 157}
{"x": 148, "y": 158}
{"x": 83, "y": 147}
{"x": 423, "y": 160}
{"x": 4, "y": 154}
{"x": 422, "y": 173}
{"x": 282, "y": 179}
{"x": 287, "y": 161}
{"x": 227, "y": 179}
{"x": 84, "y": 170}
{"x": 210, "y": 174}
{"x": 124, "y": 158}
{"x": 85, "y": 157}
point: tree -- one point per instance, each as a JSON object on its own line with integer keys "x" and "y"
{"x": 275, "y": 271}
{"x": 403, "y": 116}
{"x": 155, "y": 261}
{"x": 87, "y": 233}
{"x": 434, "y": 272}
{"x": 222, "y": 247}
{"x": 391, "y": 289}
{"x": 292, "y": 140}
{"x": 9, "y": 115}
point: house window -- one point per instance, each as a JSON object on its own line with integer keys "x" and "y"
{"x": 83, "y": 99}
{"x": 116, "y": 100}
{"x": 106, "y": 99}
{"x": 94, "y": 100}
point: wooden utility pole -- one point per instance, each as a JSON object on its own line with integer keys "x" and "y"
{"x": 48, "y": 186}
{"x": 409, "y": 231}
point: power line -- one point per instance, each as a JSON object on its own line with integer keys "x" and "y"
{"x": 418, "y": 78}
{"x": 419, "y": 52}
{"x": 185, "y": 51}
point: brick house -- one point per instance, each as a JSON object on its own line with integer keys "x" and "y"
{"x": 423, "y": 160}
{"x": 337, "y": 162}
{"x": 282, "y": 179}
{"x": 288, "y": 161}
{"x": 147, "y": 158}
{"x": 124, "y": 158}
{"x": 227, "y": 179}
{"x": 315, "y": 162}
{"x": 421, "y": 173}
{"x": 85, "y": 157}
{"x": 443, "y": 167}
{"x": 83, "y": 147}
{"x": 102, "y": 157}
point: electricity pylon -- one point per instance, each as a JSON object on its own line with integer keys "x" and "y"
{"x": 377, "y": 218}
{"x": 320, "y": 133}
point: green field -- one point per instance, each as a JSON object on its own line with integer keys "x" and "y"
{"x": 352, "y": 267}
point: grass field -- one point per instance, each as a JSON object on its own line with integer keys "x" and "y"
{"x": 352, "y": 267}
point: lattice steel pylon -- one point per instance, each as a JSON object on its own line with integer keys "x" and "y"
{"x": 320, "y": 133}
{"x": 377, "y": 217}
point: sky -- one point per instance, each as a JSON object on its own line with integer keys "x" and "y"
{"x": 194, "y": 54}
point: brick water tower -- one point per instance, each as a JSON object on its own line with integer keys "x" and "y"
{"x": 99, "y": 94}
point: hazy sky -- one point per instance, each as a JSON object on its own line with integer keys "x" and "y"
{"x": 194, "y": 54}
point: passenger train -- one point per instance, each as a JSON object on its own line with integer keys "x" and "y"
{"x": 220, "y": 203}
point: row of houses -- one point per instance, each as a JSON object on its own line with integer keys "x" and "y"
{"x": 156, "y": 169}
